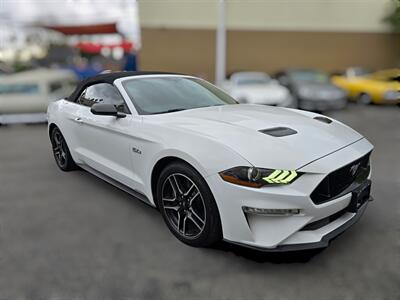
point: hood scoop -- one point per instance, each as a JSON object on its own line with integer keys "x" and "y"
{"x": 278, "y": 131}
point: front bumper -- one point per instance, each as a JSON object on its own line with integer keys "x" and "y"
{"x": 324, "y": 242}
{"x": 285, "y": 233}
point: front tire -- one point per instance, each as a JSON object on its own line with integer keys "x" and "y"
{"x": 364, "y": 99}
{"x": 61, "y": 151}
{"x": 188, "y": 206}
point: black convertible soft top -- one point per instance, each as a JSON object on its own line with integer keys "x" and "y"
{"x": 109, "y": 78}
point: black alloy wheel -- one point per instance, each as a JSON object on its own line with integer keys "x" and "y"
{"x": 188, "y": 206}
{"x": 61, "y": 152}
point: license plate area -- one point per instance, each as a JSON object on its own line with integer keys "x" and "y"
{"x": 360, "y": 195}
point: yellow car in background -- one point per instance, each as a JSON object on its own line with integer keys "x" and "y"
{"x": 382, "y": 87}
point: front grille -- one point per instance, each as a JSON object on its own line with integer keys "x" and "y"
{"x": 337, "y": 182}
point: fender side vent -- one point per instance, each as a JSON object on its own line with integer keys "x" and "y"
{"x": 279, "y": 131}
{"x": 323, "y": 120}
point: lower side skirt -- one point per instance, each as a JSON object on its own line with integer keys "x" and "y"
{"x": 117, "y": 184}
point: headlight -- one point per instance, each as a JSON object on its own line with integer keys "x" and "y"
{"x": 258, "y": 177}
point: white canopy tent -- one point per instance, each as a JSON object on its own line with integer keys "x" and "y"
{"x": 124, "y": 13}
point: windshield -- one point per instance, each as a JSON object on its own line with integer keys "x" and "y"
{"x": 310, "y": 76}
{"x": 167, "y": 94}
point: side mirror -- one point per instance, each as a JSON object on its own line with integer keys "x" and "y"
{"x": 104, "y": 109}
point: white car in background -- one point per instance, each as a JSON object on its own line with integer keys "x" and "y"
{"x": 272, "y": 178}
{"x": 257, "y": 88}
{"x": 24, "y": 96}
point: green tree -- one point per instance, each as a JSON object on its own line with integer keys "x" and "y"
{"x": 393, "y": 19}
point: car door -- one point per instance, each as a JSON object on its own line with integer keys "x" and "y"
{"x": 105, "y": 141}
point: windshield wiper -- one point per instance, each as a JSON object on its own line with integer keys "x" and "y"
{"x": 169, "y": 111}
{"x": 212, "y": 105}
{"x": 180, "y": 109}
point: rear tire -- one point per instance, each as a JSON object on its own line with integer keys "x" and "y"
{"x": 61, "y": 151}
{"x": 188, "y": 206}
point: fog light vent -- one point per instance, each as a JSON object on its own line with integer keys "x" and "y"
{"x": 271, "y": 211}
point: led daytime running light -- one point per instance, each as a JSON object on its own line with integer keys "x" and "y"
{"x": 258, "y": 177}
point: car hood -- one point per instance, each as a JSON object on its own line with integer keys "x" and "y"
{"x": 273, "y": 90}
{"x": 260, "y": 88}
{"x": 319, "y": 91}
{"x": 387, "y": 85}
{"x": 238, "y": 127}
{"x": 317, "y": 86}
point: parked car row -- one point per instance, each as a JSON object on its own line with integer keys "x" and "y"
{"x": 314, "y": 90}
{"x": 24, "y": 96}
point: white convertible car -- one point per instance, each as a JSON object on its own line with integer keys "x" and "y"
{"x": 270, "y": 178}
{"x": 258, "y": 88}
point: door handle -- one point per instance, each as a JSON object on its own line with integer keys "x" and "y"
{"x": 78, "y": 120}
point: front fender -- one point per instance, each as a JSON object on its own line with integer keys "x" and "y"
{"x": 207, "y": 164}
{"x": 208, "y": 157}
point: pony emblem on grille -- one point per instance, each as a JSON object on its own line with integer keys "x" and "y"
{"x": 354, "y": 168}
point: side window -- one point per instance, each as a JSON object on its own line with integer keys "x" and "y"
{"x": 19, "y": 89}
{"x": 103, "y": 93}
{"x": 83, "y": 100}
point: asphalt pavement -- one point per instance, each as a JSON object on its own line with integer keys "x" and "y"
{"x": 71, "y": 236}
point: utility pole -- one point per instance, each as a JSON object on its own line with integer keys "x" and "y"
{"x": 220, "y": 57}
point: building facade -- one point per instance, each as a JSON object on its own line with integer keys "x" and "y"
{"x": 267, "y": 35}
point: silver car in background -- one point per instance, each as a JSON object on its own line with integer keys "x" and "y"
{"x": 313, "y": 89}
